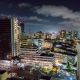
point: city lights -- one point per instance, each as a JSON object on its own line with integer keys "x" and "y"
{"x": 39, "y": 40}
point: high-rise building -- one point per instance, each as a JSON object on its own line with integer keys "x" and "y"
{"x": 9, "y": 37}
{"x": 16, "y": 34}
{"x": 75, "y": 34}
{"x": 5, "y": 38}
{"x": 62, "y": 33}
{"x": 22, "y": 27}
{"x": 69, "y": 35}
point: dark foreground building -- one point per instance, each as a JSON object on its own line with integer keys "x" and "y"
{"x": 9, "y": 37}
{"x": 5, "y": 38}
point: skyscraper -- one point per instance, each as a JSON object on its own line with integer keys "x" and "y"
{"x": 5, "y": 37}
{"x": 9, "y": 35}
{"x": 22, "y": 27}
{"x": 75, "y": 34}
{"x": 62, "y": 33}
{"x": 16, "y": 33}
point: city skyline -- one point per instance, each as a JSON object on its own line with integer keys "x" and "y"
{"x": 39, "y": 39}
{"x": 41, "y": 15}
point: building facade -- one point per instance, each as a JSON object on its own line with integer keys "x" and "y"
{"x": 5, "y": 38}
{"x": 9, "y": 37}
{"x": 16, "y": 37}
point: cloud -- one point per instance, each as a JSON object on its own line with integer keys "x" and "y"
{"x": 32, "y": 18}
{"x": 23, "y": 4}
{"x": 5, "y": 15}
{"x": 25, "y": 18}
{"x": 35, "y": 18}
{"x": 71, "y": 18}
{"x": 70, "y": 23}
{"x": 58, "y": 11}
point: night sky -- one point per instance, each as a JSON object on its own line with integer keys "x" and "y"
{"x": 44, "y": 15}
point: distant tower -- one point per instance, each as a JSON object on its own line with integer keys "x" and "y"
{"x": 69, "y": 35}
{"x": 75, "y": 34}
{"x": 22, "y": 27}
{"x": 62, "y": 33}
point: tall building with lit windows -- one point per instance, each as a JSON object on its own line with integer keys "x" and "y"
{"x": 62, "y": 34}
{"x": 9, "y": 37}
{"x": 16, "y": 33}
